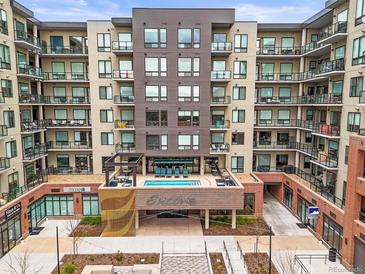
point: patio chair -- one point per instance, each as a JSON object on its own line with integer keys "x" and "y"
{"x": 185, "y": 173}
{"x": 169, "y": 172}
{"x": 157, "y": 172}
{"x": 163, "y": 172}
{"x": 177, "y": 172}
{"x": 128, "y": 183}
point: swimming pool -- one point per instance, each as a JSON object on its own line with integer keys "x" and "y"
{"x": 172, "y": 183}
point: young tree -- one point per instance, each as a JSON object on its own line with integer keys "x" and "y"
{"x": 19, "y": 263}
{"x": 286, "y": 262}
{"x": 70, "y": 226}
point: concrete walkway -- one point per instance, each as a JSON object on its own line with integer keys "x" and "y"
{"x": 281, "y": 219}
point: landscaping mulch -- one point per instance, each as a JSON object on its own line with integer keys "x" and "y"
{"x": 258, "y": 263}
{"x": 258, "y": 227}
{"x": 127, "y": 259}
{"x": 217, "y": 262}
{"x": 88, "y": 230}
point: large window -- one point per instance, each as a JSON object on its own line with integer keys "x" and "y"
{"x": 187, "y": 118}
{"x": 302, "y": 211}
{"x": 156, "y": 118}
{"x": 332, "y": 233}
{"x": 360, "y": 12}
{"x": 90, "y": 205}
{"x": 11, "y": 150}
{"x": 238, "y": 138}
{"x": 156, "y": 93}
{"x": 107, "y": 138}
{"x": 239, "y": 69}
{"x": 106, "y": 116}
{"x": 7, "y": 87}
{"x": 240, "y": 43}
{"x": 238, "y": 116}
{"x": 105, "y": 68}
{"x": 105, "y": 93}
{"x": 358, "y": 51}
{"x": 239, "y": 93}
{"x": 60, "y": 205}
{"x": 188, "y": 66}
{"x": 61, "y": 138}
{"x": 10, "y": 234}
{"x": 356, "y": 86}
{"x": 4, "y": 57}
{"x": 155, "y": 38}
{"x": 288, "y": 197}
{"x": 104, "y": 42}
{"x": 156, "y": 142}
{"x": 63, "y": 162}
{"x": 237, "y": 164}
{"x": 36, "y": 213}
{"x": 188, "y": 93}
{"x": 3, "y": 22}
{"x": 155, "y": 66}
{"x": 188, "y": 38}
{"x": 9, "y": 119}
{"x": 188, "y": 142}
{"x": 249, "y": 203}
{"x": 353, "y": 121}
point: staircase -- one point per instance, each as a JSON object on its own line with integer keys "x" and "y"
{"x": 233, "y": 257}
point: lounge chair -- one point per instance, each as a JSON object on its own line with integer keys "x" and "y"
{"x": 177, "y": 172}
{"x": 169, "y": 172}
{"x": 157, "y": 172}
{"x": 185, "y": 173}
{"x": 163, "y": 172}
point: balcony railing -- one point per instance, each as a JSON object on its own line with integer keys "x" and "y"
{"x": 323, "y": 159}
{"x": 321, "y": 128}
{"x": 123, "y": 99}
{"x": 156, "y": 147}
{"x": 220, "y": 124}
{"x": 65, "y": 76}
{"x": 69, "y": 170}
{"x": 306, "y": 99}
{"x": 221, "y": 46}
{"x": 279, "y": 51}
{"x": 4, "y": 65}
{"x": 65, "y": 50}
{"x": 26, "y": 37}
{"x": 4, "y": 163}
{"x": 3, "y": 131}
{"x": 219, "y": 148}
{"x": 122, "y": 45}
{"x": 123, "y": 74}
{"x": 69, "y": 123}
{"x": 221, "y": 74}
{"x": 124, "y": 124}
{"x": 35, "y": 152}
{"x": 220, "y": 100}
{"x": 332, "y": 66}
{"x": 339, "y": 27}
{"x": 310, "y": 47}
{"x": 69, "y": 145}
{"x": 41, "y": 99}
{"x": 359, "y": 60}
{"x": 30, "y": 70}
{"x": 34, "y": 125}
{"x": 125, "y": 147}
{"x": 275, "y": 145}
{"x": 278, "y": 77}
{"x": 276, "y": 123}
{"x": 156, "y": 123}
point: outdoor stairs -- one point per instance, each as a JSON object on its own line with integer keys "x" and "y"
{"x": 233, "y": 258}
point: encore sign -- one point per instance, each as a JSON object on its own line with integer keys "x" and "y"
{"x": 157, "y": 200}
{"x": 77, "y": 189}
{"x": 12, "y": 211}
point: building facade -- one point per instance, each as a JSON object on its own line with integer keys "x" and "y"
{"x": 188, "y": 85}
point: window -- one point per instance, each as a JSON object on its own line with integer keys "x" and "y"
{"x": 286, "y": 71}
{"x": 105, "y": 93}
{"x": 105, "y": 69}
{"x": 265, "y": 116}
{"x": 340, "y": 53}
{"x": 127, "y": 116}
{"x": 4, "y": 57}
{"x": 127, "y": 139}
{"x": 217, "y": 138}
{"x": 307, "y": 162}
{"x": 188, "y": 66}
{"x": 60, "y": 205}
{"x": 7, "y": 88}
{"x": 156, "y": 93}
{"x": 337, "y": 88}
{"x": 3, "y": 22}
{"x": 240, "y": 69}
{"x": 156, "y": 142}
{"x": 360, "y": 12}
{"x": 288, "y": 197}
{"x": 124, "y": 41}
{"x": 265, "y": 94}
{"x": 358, "y": 51}
{"x": 106, "y": 116}
{"x": 80, "y": 114}
{"x": 77, "y": 71}
{"x": 287, "y": 43}
{"x": 155, "y": 38}
{"x": 9, "y": 119}
{"x": 268, "y": 43}
{"x": 13, "y": 182}
{"x": 237, "y": 164}
{"x": 58, "y": 70}
{"x": 63, "y": 162}
{"x": 239, "y": 93}
{"x": 188, "y": 38}
{"x": 263, "y": 162}
{"x": 284, "y": 116}
{"x": 155, "y": 66}
{"x": 188, "y": 142}
{"x": 188, "y": 93}
{"x": 332, "y": 233}
{"x": 346, "y": 155}
{"x": 249, "y": 203}
{"x": 238, "y": 138}
{"x": 104, "y": 41}
{"x": 61, "y": 138}
{"x": 281, "y": 160}
{"x": 238, "y": 116}
{"x": 285, "y": 94}
{"x": 90, "y": 205}
{"x": 11, "y": 150}
{"x": 356, "y": 86}
{"x": 353, "y": 121}
{"x": 188, "y": 118}
{"x": 267, "y": 71}
{"x": 218, "y": 94}
{"x": 309, "y": 115}
{"x": 240, "y": 43}
{"x": 107, "y": 138}
{"x": 156, "y": 118}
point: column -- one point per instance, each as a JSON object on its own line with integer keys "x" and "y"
{"x": 234, "y": 218}
{"x": 207, "y": 219}
{"x": 144, "y": 172}
{"x": 202, "y": 164}
{"x": 136, "y": 220}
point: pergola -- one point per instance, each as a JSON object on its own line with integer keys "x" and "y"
{"x": 110, "y": 163}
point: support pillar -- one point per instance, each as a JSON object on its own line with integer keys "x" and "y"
{"x": 207, "y": 219}
{"x": 136, "y": 220}
{"x": 234, "y": 218}
{"x": 202, "y": 165}
{"x": 144, "y": 172}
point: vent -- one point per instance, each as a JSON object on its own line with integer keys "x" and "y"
{"x": 31, "y": 200}
{"x": 314, "y": 202}
{"x": 333, "y": 215}
{"x": 299, "y": 190}
{"x": 55, "y": 190}
{"x": 287, "y": 182}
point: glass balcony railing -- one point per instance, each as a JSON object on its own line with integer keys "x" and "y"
{"x": 65, "y": 50}
{"x": 220, "y": 100}
{"x": 220, "y": 74}
{"x": 41, "y": 99}
{"x": 125, "y": 147}
{"x": 123, "y": 99}
{"x": 122, "y": 45}
{"x": 279, "y": 51}
{"x": 65, "y": 76}
{"x": 124, "y": 124}
{"x": 69, "y": 123}
{"x": 69, "y": 145}
{"x": 35, "y": 152}
{"x": 31, "y": 71}
{"x": 221, "y": 46}
{"x": 123, "y": 74}
{"x": 278, "y": 77}
{"x": 26, "y": 37}
{"x": 339, "y": 27}
{"x": 331, "y": 66}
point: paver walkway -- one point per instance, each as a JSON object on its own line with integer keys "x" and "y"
{"x": 184, "y": 264}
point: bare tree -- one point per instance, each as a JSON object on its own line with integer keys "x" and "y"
{"x": 286, "y": 262}
{"x": 70, "y": 227}
{"x": 19, "y": 263}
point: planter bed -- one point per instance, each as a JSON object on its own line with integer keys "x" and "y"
{"x": 258, "y": 263}
{"x": 218, "y": 267}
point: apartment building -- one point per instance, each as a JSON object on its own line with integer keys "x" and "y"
{"x": 193, "y": 87}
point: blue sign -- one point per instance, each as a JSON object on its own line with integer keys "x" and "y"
{"x": 313, "y": 212}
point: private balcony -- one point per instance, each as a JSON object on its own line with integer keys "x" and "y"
{"x": 35, "y": 153}
{"x": 124, "y": 100}
{"x": 280, "y": 146}
{"x": 275, "y": 123}
{"x": 279, "y": 52}
{"x": 123, "y": 75}
{"x": 125, "y": 147}
{"x": 320, "y": 128}
{"x": 221, "y": 48}
{"x": 325, "y": 70}
{"x": 315, "y": 49}
{"x": 65, "y": 123}
{"x": 122, "y": 48}
{"x": 315, "y": 100}
{"x": 61, "y": 77}
{"x": 4, "y": 164}
{"x": 69, "y": 146}
{"x": 34, "y": 99}
{"x": 217, "y": 101}
{"x": 220, "y": 75}
{"x": 278, "y": 77}
{"x": 28, "y": 71}
{"x": 220, "y": 125}
{"x": 3, "y": 131}
{"x": 33, "y": 126}
{"x": 358, "y": 60}
{"x": 333, "y": 33}
{"x": 326, "y": 161}
{"x": 219, "y": 148}
{"x": 124, "y": 125}
{"x": 27, "y": 41}
{"x": 65, "y": 51}
{"x": 69, "y": 170}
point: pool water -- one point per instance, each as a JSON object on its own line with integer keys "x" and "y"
{"x": 172, "y": 183}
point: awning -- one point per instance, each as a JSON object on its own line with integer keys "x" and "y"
{"x": 173, "y": 161}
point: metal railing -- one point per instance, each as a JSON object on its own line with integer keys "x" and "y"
{"x": 123, "y": 74}
{"x": 125, "y": 147}
{"x": 320, "y": 127}
{"x": 275, "y": 145}
{"x": 34, "y": 125}
{"x": 35, "y": 152}
{"x": 310, "y": 47}
{"x": 4, "y": 163}
{"x": 242, "y": 258}
{"x": 279, "y": 51}
{"x": 330, "y": 161}
{"x": 220, "y": 100}
{"x": 30, "y": 70}
{"x": 26, "y": 37}
{"x": 61, "y": 76}
{"x": 275, "y": 123}
{"x": 329, "y": 98}
{"x": 41, "y": 99}
{"x": 219, "y": 147}
{"x": 3, "y": 131}
{"x": 331, "y": 66}
{"x": 225, "y": 252}
{"x": 69, "y": 170}
{"x": 221, "y": 46}
{"x": 302, "y": 269}
{"x": 65, "y": 50}
{"x": 123, "y": 99}
{"x": 220, "y": 74}
{"x": 123, "y": 124}
{"x": 122, "y": 45}
{"x": 339, "y": 27}
{"x": 220, "y": 124}
{"x": 68, "y": 123}
{"x": 293, "y": 76}
{"x": 69, "y": 145}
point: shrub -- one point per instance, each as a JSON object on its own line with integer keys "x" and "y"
{"x": 68, "y": 268}
{"x": 91, "y": 220}
{"x": 244, "y": 220}
{"x": 119, "y": 257}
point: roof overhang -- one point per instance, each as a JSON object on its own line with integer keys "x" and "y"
{"x": 122, "y": 21}
{"x": 63, "y": 26}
